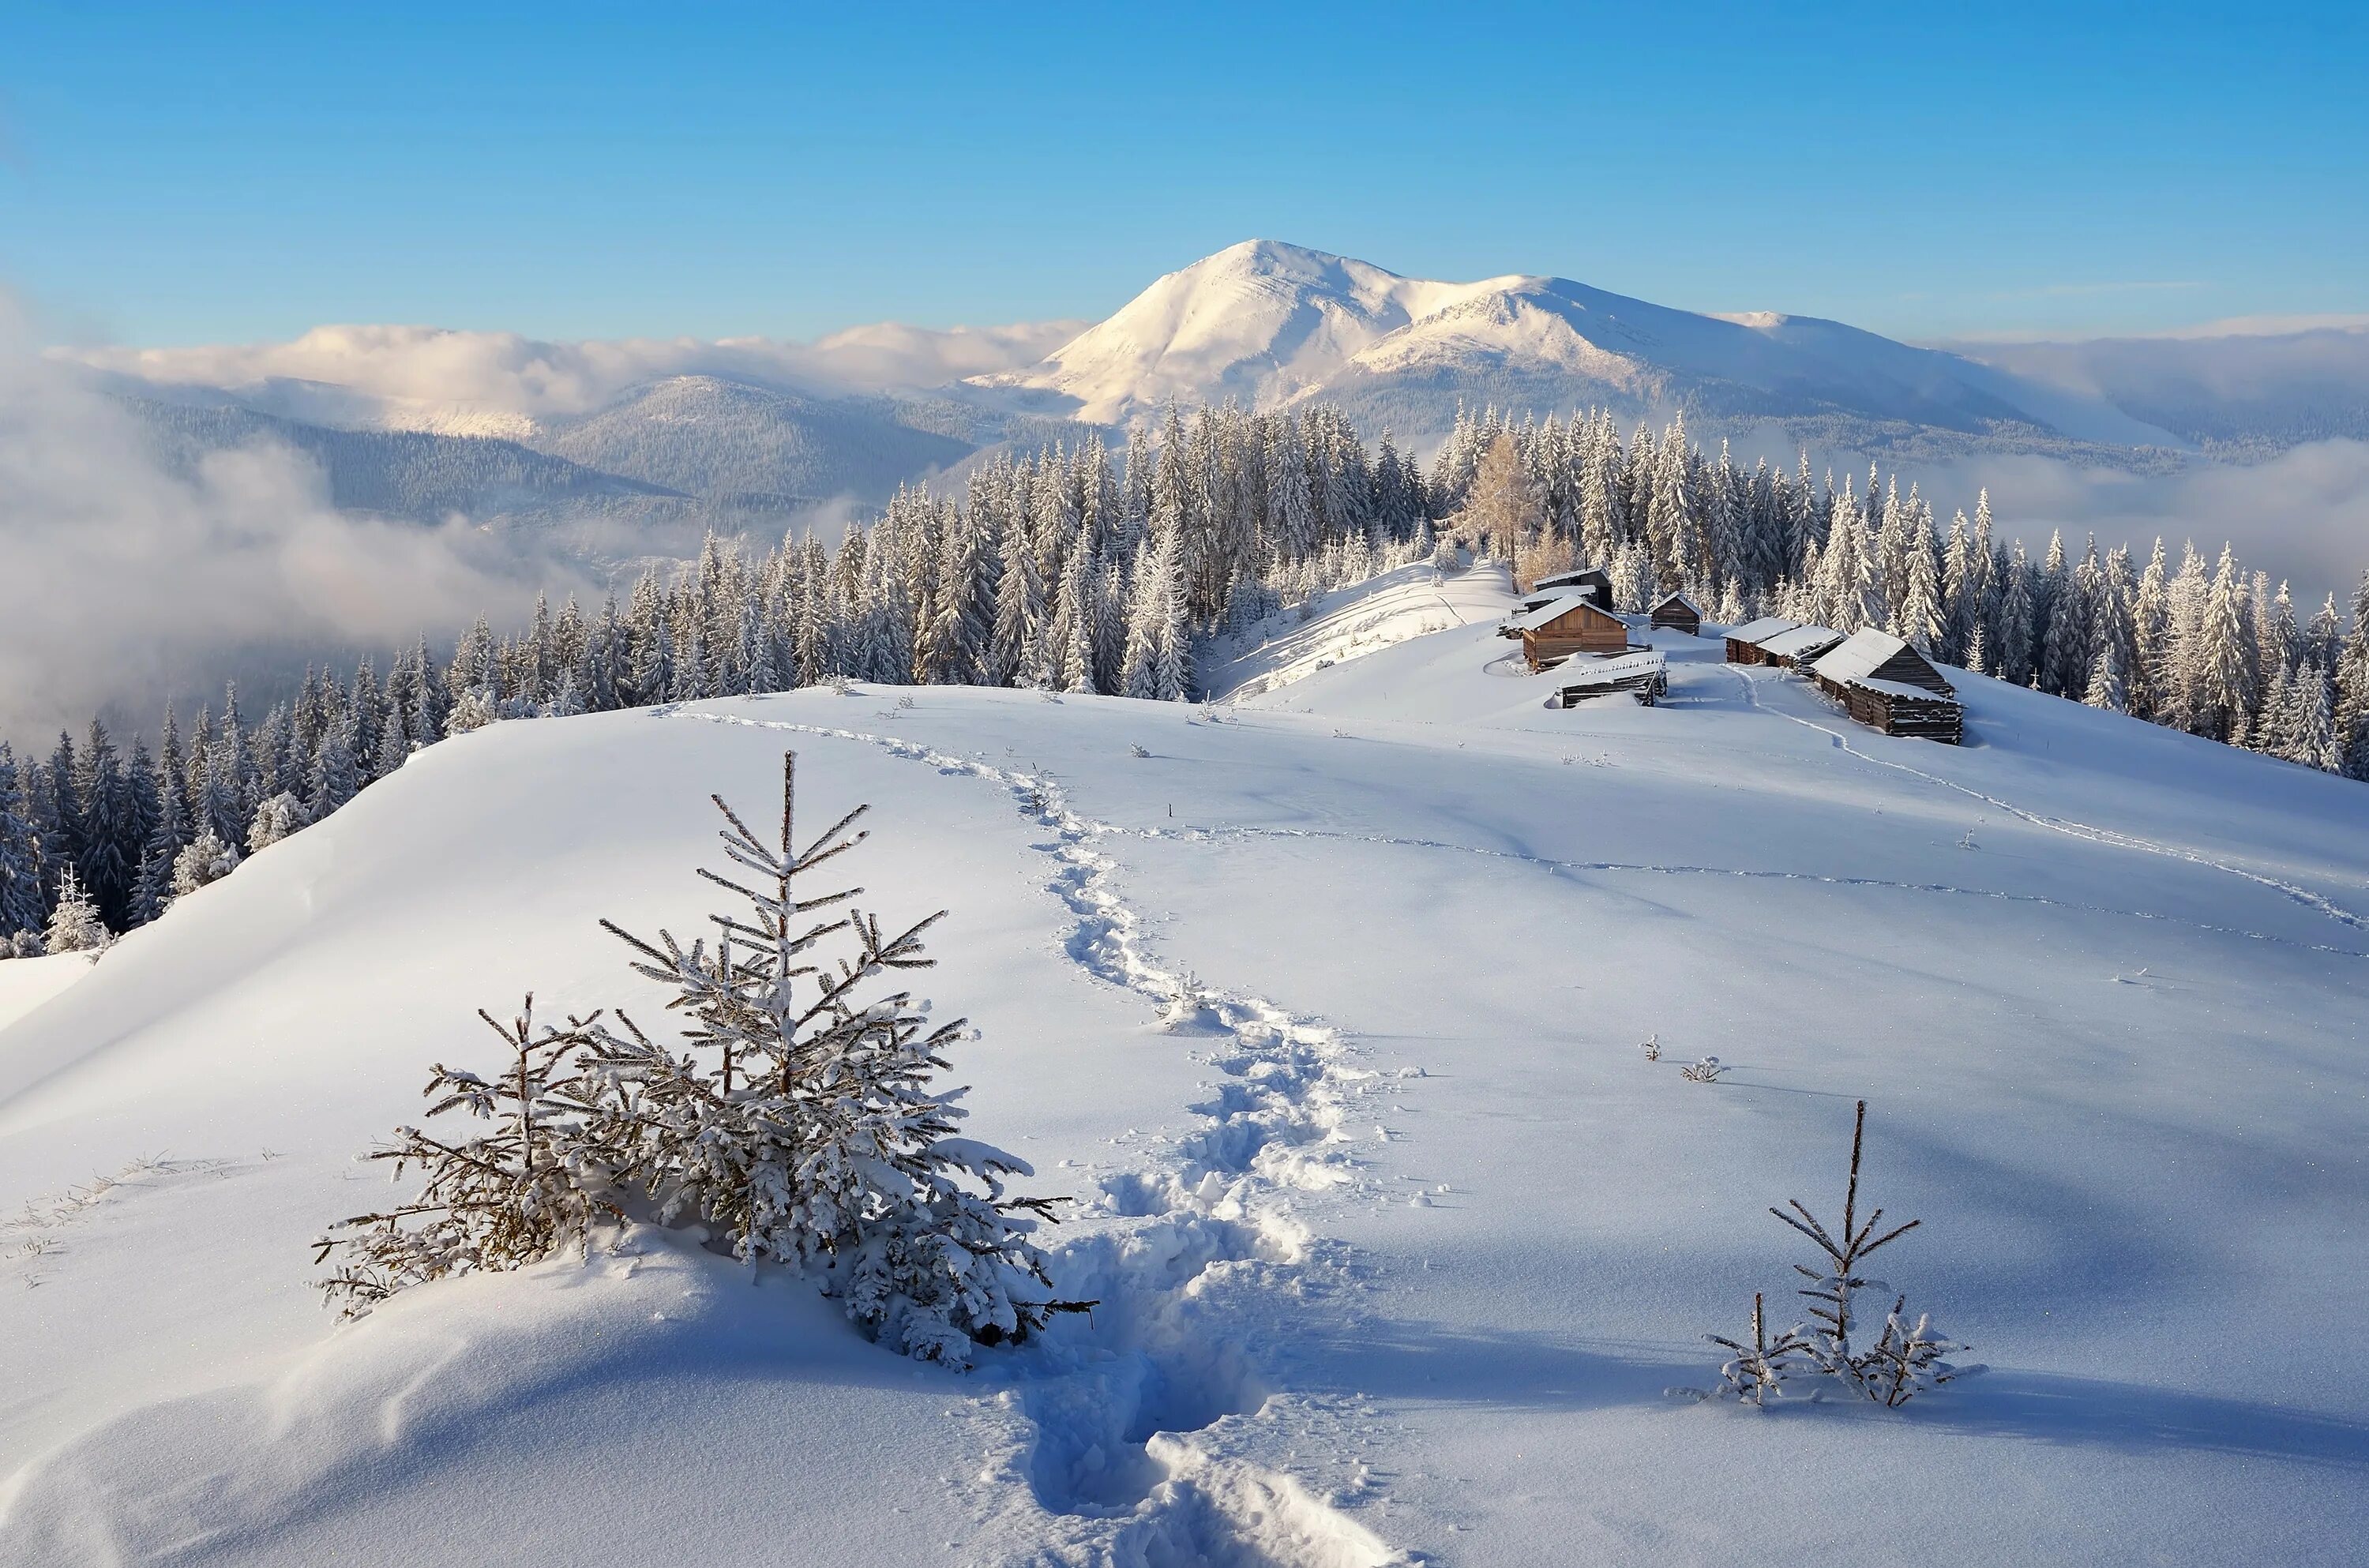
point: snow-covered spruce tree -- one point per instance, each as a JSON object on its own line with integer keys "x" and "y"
{"x": 803, "y": 1122}
{"x": 539, "y": 1180}
{"x": 74, "y": 925}
{"x": 1905, "y": 1359}
{"x": 20, "y": 871}
{"x": 206, "y": 859}
{"x": 277, "y": 818}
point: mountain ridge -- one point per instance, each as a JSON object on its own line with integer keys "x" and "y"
{"x": 1273, "y": 324}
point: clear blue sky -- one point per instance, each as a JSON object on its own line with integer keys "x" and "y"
{"x": 173, "y": 174}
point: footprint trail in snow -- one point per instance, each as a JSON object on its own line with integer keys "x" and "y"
{"x": 1152, "y": 1439}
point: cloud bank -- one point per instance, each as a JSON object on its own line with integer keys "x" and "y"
{"x": 502, "y": 383}
{"x": 123, "y": 583}
{"x": 2302, "y": 515}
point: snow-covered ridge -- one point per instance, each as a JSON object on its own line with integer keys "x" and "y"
{"x": 1323, "y": 1006}
{"x": 1271, "y": 324}
{"x": 1263, "y": 322}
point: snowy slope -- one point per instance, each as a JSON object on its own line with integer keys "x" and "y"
{"x": 25, "y": 983}
{"x": 1270, "y": 324}
{"x": 1400, "y": 1238}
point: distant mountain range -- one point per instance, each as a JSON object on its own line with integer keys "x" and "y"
{"x": 419, "y": 422}
{"x": 1272, "y": 325}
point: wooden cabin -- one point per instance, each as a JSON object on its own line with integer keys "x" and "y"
{"x": 1587, "y": 581}
{"x": 1593, "y": 583}
{"x": 1568, "y": 625}
{"x": 1803, "y": 645}
{"x": 1744, "y": 642}
{"x": 1871, "y": 655}
{"x": 1643, "y": 675}
{"x": 1887, "y": 685}
{"x": 1678, "y": 613}
{"x": 1895, "y": 709}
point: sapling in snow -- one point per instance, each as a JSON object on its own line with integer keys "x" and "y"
{"x": 1757, "y": 1371}
{"x": 1906, "y": 1359}
{"x": 74, "y": 924}
{"x": 803, "y": 1120}
{"x": 1903, "y": 1360}
{"x": 795, "y": 1117}
{"x": 1908, "y": 1356}
{"x": 1834, "y": 1287}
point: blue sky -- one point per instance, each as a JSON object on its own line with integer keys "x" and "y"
{"x": 178, "y": 175}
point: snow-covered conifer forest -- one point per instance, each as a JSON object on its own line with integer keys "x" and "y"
{"x": 1082, "y": 569}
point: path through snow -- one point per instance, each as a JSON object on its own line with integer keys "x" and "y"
{"x": 1136, "y": 1442}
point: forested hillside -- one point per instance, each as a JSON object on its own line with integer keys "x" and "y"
{"x": 1080, "y": 569}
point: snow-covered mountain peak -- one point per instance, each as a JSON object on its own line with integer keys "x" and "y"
{"x": 1272, "y": 324}
{"x": 1261, "y": 321}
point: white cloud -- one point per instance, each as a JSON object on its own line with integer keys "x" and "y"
{"x": 122, "y": 582}
{"x": 498, "y": 382}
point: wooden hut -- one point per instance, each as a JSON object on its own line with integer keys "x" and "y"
{"x": 1744, "y": 642}
{"x": 1803, "y": 645}
{"x": 1871, "y": 655}
{"x": 1885, "y": 685}
{"x": 1587, "y": 581}
{"x": 1565, "y": 626}
{"x": 1678, "y": 613}
{"x": 1896, "y": 709}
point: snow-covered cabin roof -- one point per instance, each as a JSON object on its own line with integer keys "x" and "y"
{"x": 1596, "y": 576}
{"x": 1668, "y": 599}
{"x": 1608, "y": 672}
{"x": 1865, "y": 652}
{"x": 1861, "y": 654}
{"x": 1553, "y": 609}
{"x": 1767, "y": 626}
{"x": 1799, "y": 641}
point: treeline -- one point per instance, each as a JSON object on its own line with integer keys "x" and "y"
{"x": 1082, "y": 569}
{"x": 2199, "y": 644}
{"x": 1074, "y": 570}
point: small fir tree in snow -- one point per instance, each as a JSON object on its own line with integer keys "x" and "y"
{"x": 74, "y": 925}
{"x": 1902, "y": 1361}
{"x": 205, "y": 861}
{"x": 1906, "y": 1360}
{"x": 1759, "y": 1369}
{"x": 1908, "y": 1356}
{"x": 799, "y": 1117}
{"x": 274, "y": 820}
{"x": 805, "y": 1122}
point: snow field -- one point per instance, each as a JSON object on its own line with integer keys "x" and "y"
{"x": 1399, "y": 1238}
